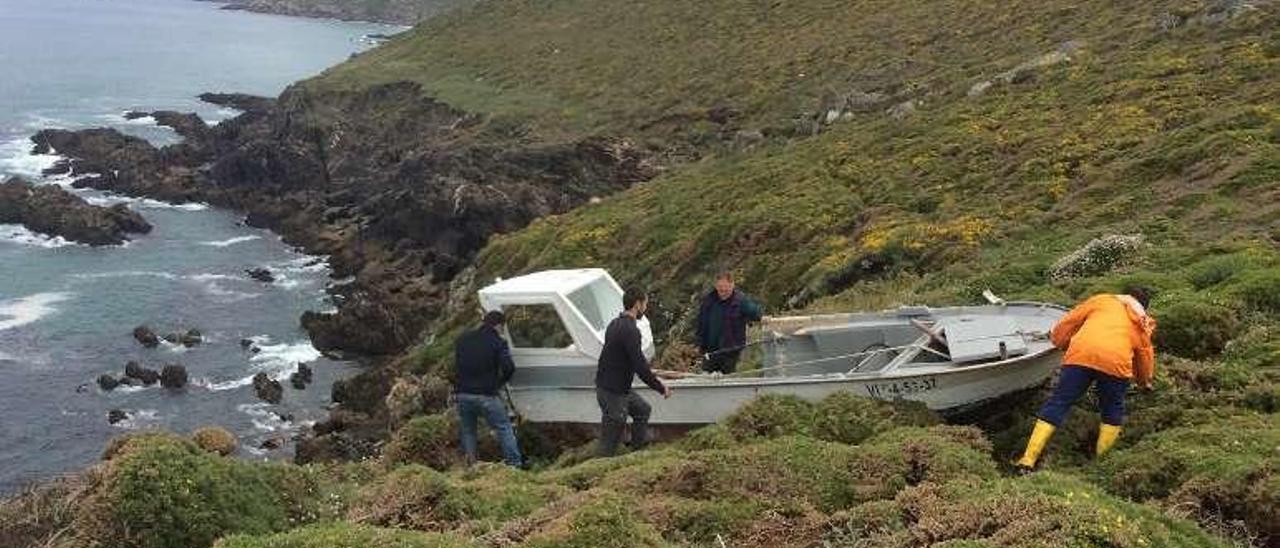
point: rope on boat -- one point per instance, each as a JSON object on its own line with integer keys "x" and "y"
{"x": 1033, "y": 335}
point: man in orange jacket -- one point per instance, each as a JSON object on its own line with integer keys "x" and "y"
{"x": 1108, "y": 344}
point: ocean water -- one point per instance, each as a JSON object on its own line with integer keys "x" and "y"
{"x": 67, "y": 310}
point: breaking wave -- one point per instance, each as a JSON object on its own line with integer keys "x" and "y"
{"x": 29, "y": 309}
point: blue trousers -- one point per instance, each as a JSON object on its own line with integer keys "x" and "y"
{"x": 1073, "y": 382}
{"x": 470, "y": 408}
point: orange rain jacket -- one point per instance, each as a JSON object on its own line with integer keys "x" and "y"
{"x": 1109, "y": 333}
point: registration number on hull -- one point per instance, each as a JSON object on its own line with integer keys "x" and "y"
{"x": 902, "y": 388}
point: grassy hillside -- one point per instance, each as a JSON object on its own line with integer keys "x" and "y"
{"x": 843, "y": 155}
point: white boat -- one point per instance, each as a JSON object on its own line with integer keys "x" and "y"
{"x": 948, "y": 358}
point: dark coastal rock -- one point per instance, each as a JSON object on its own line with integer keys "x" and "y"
{"x": 49, "y": 209}
{"x": 107, "y": 382}
{"x": 192, "y": 338}
{"x": 188, "y": 125}
{"x": 248, "y": 103}
{"x": 129, "y": 381}
{"x": 271, "y": 444}
{"x": 147, "y": 376}
{"x": 365, "y": 325}
{"x": 60, "y": 167}
{"x": 267, "y": 388}
{"x": 172, "y": 338}
{"x": 115, "y": 416}
{"x": 302, "y": 377}
{"x": 173, "y": 376}
{"x": 146, "y": 337}
{"x": 135, "y": 115}
{"x": 399, "y": 190}
{"x": 260, "y": 274}
{"x": 365, "y": 392}
{"x": 246, "y": 343}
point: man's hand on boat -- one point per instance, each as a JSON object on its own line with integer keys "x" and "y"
{"x": 666, "y": 391}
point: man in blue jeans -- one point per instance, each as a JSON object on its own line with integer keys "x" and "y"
{"x": 484, "y": 365}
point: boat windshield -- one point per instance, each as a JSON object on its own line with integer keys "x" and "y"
{"x": 598, "y": 302}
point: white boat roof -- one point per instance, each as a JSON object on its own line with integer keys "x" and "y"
{"x": 545, "y": 282}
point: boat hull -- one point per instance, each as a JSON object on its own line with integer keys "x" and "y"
{"x": 707, "y": 400}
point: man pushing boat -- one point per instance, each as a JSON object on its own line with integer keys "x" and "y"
{"x": 1107, "y": 340}
{"x": 621, "y": 361}
{"x": 722, "y": 324}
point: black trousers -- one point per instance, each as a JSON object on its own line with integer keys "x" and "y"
{"x": 614, "y": 410}
{"x": 726, "y": 362}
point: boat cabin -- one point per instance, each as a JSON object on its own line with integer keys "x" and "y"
{"x": 556, "y": 321}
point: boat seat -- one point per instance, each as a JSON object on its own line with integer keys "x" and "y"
{"x": 979, "y": 338}
{"x": 874, "y": 361}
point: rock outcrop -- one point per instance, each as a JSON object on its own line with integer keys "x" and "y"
{"x": 396, "y": 12}
{"x": 146, "y": 337}
{"x": 173, "y": 376}
{"x": 107, "y": 382}
{"x": 147, "y": 376}
{"x": 49, "y": 209}
{"x": 267, "y": 388}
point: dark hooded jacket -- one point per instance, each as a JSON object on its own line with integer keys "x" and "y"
{"x": 483, "y": 361}
{"x": 723, "y": 323}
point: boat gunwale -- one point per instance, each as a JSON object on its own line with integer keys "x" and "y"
{"x": 897, "y": 374}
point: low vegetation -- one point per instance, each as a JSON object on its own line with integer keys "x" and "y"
{"x": 837, "y": 156}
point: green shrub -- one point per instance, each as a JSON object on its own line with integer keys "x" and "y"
{"x": 407, "y": 497}
{"x": 162, "y": 491}
{"x": 1265, "y": 398}
{"x": 1226, "y": 468}
{"x": 841, "y": 417}
{"x": 215, "y": 439}
{"x": 343, "y": 535}
{"x": 771, "y": 415}
{"x": 701, "y": 521}
{"x": 1044, "y": 509}
{"x": 417, "y": 497}
{"x": 845, "y": 418}
{"x": 798, "y": 469}
{"x": 1260, "y": 290}
{"x": 1193, "y": 327}
{"x": 431, "y": 440}
{"x": 1214, "y": 271}
{"x": 712, "y": 436}
{"x": 491, "y": 494}
{"x": 609, "y": 519}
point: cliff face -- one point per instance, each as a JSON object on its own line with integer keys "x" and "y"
{"x": 399, "y": 190}
{"x": 397, "y": 12}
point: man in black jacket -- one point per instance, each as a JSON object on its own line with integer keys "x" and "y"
{"x": 722, "y": 324}
{"x": 621, "y": 360}
{"x": 484, "y": 364}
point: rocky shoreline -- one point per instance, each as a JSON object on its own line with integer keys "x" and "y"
{"x": 393, "y": 12}
{"x": 53, "y": 211}
{"x": 400, "y": 208}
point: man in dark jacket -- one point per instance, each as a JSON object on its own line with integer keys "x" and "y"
{"x": 722, "y": 324}
{"x": 621, "y": 360}
{"x": 484, "y": 364}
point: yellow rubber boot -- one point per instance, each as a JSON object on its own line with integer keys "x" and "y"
{"x": 1039, "y": 437}
{"x": 1107, "y": 435}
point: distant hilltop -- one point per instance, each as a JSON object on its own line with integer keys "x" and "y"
{"x": 397, "y": 12}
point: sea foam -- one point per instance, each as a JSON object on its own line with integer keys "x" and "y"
{"x": 232, "y": 241}
{"x": 29, "y": 309}
{"x": 19, "y": 234}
